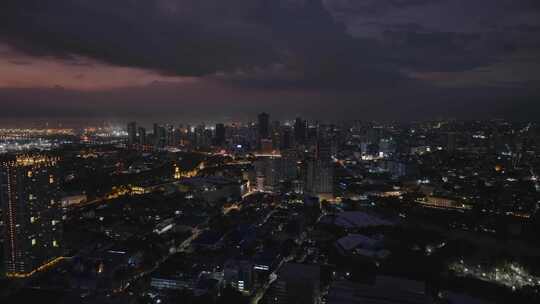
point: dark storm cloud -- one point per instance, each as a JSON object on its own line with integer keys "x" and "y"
{"x": 131, "y": 33}
{"x": 437, "y": 51}
{"x": 372, "y": 55}
{"x": 309, "y": 41}
{"x": 372, "y": 7}
{"x": 192, "y": 38}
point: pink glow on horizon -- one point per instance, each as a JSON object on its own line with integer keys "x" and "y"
{"x": 78, "y": 73}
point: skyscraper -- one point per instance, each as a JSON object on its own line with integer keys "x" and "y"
{"x": 132, "y": 133}
{"x": 286, "y": 138}
{"x": 324, "y": 151}
{"x": 300, "y": 131}
{"x": 155, "y": 130}
{"x": 169, "y": 136}
{"x": 160, "y": 136}
{"x": 320, "y": 179}
{"x": 142, "y": 135}
{"x": 288, "y": 165}
{"x": 275, "y": 134}
{"x": 320, "y": 172}
{"x": 267, "y": 170}
{"x": 264, "y": 126}
{"x": 220, "y": 134}
{"x": 29, "y": 193}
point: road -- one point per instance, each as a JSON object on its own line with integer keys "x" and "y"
{"x": 180, "y": 248}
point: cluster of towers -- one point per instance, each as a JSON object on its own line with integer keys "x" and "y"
{"x": 280, "y": 147}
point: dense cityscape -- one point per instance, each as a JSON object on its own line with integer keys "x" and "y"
{"x": 270, "y": 151}
{"x": 272, "y": 211}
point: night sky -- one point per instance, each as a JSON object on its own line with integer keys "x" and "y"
{"x": 223, "y": 59}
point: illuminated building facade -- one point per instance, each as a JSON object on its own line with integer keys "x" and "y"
{"x": 160, "y": 136}
{"x": 320, "y": 172}
{"x": 132, "y": 133}
{"x": 320, "y": 178}
{"x": 29, "y": 195}
{"x": 239, "y": 275}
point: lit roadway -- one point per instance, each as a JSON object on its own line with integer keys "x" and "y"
{"x": 181, "y": 248}
{"x": 186, "y": 244}
{"x": 261, "y": 291}
{"x": 235, "y": 206}
{"x": 273, "y": 276}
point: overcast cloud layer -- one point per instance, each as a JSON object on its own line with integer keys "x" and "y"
{"x": 385, "y": 59}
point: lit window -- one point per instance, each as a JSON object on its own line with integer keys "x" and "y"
{"x": 32, "y": 219}
{"x": 55, "y": 243}
{"x": 29, "y": 174}
{"x": 51, "y": 179}
{"x": 34, "y": 242}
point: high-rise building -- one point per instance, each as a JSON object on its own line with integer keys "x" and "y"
{"x": 239, "y": 275}
{"x": 300, "y": 131}
{"x": 276, "y": 135}
{"x": 155, "y": 130}
{"x": 29, "y": 193}
{"x": 132, "y": 133}
{"x": 142, "y": 135}
{"x": 286, "y": 138}
{"x": 169, "y": 136}
{"x": 271, "y": 171}
{"x": 264, "y": 126}
{"x": 266, "y": 146}
{"x": 320, "y": 172}
{"x": 324, "y": 151}
{"x": 387, "y": 147}
{"x": 199, "y": 135}
{"x": 288, "y": 165}
{"x": 268, "y": 174}
{"x": 160, "y": 136}
{"x": 220, "y": 134}
{"x": 177, "y": 136}
{"x": 320, "y": 178}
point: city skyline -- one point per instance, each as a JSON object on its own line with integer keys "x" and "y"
{"x": 270, "y": 212}
{"x": 270, "y": 151}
